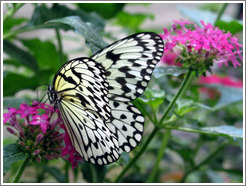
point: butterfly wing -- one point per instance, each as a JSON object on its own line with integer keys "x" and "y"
{"x": 90, "y": 135}
{"x": 129, "y": 64}
{"x": 83, "y": 82}
{"x": 82, "y": 89}
{"x": 127, "y": 124}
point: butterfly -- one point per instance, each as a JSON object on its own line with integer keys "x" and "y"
{"x": 94, "y": 96}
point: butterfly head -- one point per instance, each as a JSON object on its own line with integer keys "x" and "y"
{"x": 52, "y": 94}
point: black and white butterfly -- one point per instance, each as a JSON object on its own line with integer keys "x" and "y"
{"x": 94, "y": 96}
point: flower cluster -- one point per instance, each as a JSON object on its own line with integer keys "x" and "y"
{"x": 199, "y": 48}
{"x": 38, "y": 128}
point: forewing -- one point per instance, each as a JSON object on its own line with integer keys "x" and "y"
{"x": 129, "y": 64}
{"x": 90, "y": 135}
{"x": 82, "y": 81}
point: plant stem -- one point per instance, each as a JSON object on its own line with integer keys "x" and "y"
{"x": 60, "y": 49}
{"x": 205, "y": 161}
{"x": 139, "y": 153}
{"x": 159, "y": 157}
{"x": 12, "y": 11}
{"x": 222, "y": 10}
{"x": 21, "y": 169}
{"x": 180, "y": 91}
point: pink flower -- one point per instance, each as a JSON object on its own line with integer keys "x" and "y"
{"x": 201, "y": 47}
{"x": 39, "y": 132}
{"x": 225, "y": 81}
{"x": 73, "y": 156}
{"x": 170, "y": 59}
{"x": 26, "y": 110}
{"x": 8, "y": 115}
{"x": 43, "y": 121}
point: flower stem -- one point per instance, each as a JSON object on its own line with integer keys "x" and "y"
{"x": 21, "y": 169}
{"x": 180, "y": 91}
{"x": 205, "y": 161}
{"x": 159, "y": 156}
{"x": 140, "y": 152}
{"x": 222, "y": 10}
{"x": 60, "y": 49}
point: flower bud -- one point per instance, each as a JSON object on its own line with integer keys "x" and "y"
{"x": 36, "y": 152}
{"x": 40, "y": 138}
{"x": 38, "y": 159}
{"x": 22, "y": 143}
{"x": 10, "y": 130}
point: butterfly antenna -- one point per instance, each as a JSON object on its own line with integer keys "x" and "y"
{"x": 40, "y": 101}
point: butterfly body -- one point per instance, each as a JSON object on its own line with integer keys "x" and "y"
{"x": 94, "y": 96}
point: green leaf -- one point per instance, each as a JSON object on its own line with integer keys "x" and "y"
{"x": 87, "y": 30}
{"x": 198, "y": 15}
{"x": 11, "y": 154}
{"x": 93, "y": 173}
{"x": 14, "y": 102}
{"x": 12, "y": 62}
{"x": 169, "y": 70}
{"x": 184, "y": 106}
{"x": 13, "y": 83}
{"x": 154, "y": 98}
{"x": 56, "y": 173}
{"x": 42, "y": 14}
{"x": 233, "y": 26}
{"x": 132, "y": 21}
{"x": 24, "y": 57}
{"x": 10, "y": 23}
{"x": 106, "y": 10}
{"x": 45, "y": 52}
{"x": 230, "y": 131}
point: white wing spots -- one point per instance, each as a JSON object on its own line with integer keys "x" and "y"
{"x": 140, "y": 91}
{"x": 138, "y": 137}
{"x": 149, "y": 71}
{"x": 147, "y": 78}
{"x": 140, "y": 118}
{"x": 127, "y": 124}
{"x": 109, "y": 159}
{"x": 139, "y": 127}
{"x": 155, "y": 61}
{"x": 146, "y": 36}
{"x": 99, "y": 161}
{"x": 140, "y": 35}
